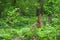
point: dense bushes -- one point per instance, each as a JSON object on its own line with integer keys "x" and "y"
{"x": 16, "y": 20}
{"x": 27, "y": 33}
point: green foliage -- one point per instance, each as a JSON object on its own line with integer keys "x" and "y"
{"x": 16, "y": 19}
{"x": 45, "y": 33}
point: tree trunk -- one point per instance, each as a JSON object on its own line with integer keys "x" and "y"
{"x": 49, "y": 17}
{"x": 39, "y": 13}
{"x": 14, "y": 2}
{"x": 50, "y": 14}
{"x": 39, "y": 23}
